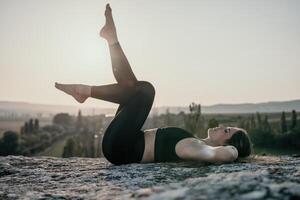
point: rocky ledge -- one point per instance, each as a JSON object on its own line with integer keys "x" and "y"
{"x": 85, "y": 178}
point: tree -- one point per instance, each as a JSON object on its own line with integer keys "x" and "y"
{"x": 247, "y": 125}
{"x": 261, "y": 138}
{"x": 30, "y": 127}
{"x": 63, "y": 119}
{"x": 294, "y": 119}
{"x": 283, "y": 123}
{"x": 69, "y": 149}
{"x": 258, "y": 117}
{"x": 9, "y": 143}
{"x": 241, "y": 122}
{"x": 36, "y": 125}
{"x": 252, "y": 122}
{"x": 266, "y": 125}
{"x": 193, "y": 121}
{"x": 79, "y": 120}
{"x": 26, "y": 128}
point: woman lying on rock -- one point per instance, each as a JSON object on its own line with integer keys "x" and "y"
{"x": 124, "y": 142}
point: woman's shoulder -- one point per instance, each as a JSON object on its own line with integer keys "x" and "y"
{"x": 190, "y": 148}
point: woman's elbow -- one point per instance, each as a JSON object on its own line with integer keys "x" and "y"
{"x": 226, "y": 154}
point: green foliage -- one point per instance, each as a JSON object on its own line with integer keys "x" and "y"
{"x": 212, "y": 123}
{"x": 36, "y": 125}
{"x": 265, "y": 135}
{"x": 283, "y": 123}
{"x": 193, "y": 121}
{"x": 260, "y": 137}
{"x": 258, "y": 118}
{"x": 30, "y": 127}
{"x": 290, "y": 139}
{"x": 79, "y": 121}
{"x": 9, "y": 143}
{"x": 294, "y": 119}
{"x": 241, "y": 122}
{"x": 53, "y": 128}
{"x": 252, "y": 122}
{"x": 35, "y": 139}
{"x": 26, "y": 128}
{"x": 63, "y": 119}
{"x": 81, "y": 145}
{"x": 81, "y": 149}
{"x": 69, "y": 149}
{"x": 265, "y": 125}
{"x": 247, "y": 125}
{"x": 31, "y": 140}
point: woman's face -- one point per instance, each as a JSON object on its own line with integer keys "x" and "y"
{"x": 220, "y": 134}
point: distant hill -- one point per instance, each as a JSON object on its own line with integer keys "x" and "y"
{"x": 266, "y": 107}
{"x": 10, "y": 108}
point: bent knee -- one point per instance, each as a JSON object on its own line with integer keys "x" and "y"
{"x": 146, "y": 87}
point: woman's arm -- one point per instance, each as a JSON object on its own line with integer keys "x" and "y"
{"x": 201, "y": 152}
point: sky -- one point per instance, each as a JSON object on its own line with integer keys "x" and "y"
{"x": 204, "y": 51}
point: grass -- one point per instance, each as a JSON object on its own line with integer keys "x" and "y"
{"x": 55, "y": 150}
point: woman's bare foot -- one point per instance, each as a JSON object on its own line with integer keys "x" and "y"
{"x": 78, "y": 91}
{"x": 109, "y": 30}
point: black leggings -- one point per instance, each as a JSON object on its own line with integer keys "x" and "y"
{"x": 123, "y": 140}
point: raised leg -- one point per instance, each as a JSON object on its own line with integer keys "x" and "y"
{"x": 117, "y": 93}
{"x": 120, "y": 66}
{"x": 123, "y": 140}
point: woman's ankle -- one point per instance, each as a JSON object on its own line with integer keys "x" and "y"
{"x": 84, "y": 90}
{"x": 112, "y": 42}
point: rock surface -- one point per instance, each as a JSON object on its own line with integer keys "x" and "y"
{"x": 86, "y": 178}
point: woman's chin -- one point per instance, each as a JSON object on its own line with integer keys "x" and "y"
{"x": 209, "y": 131}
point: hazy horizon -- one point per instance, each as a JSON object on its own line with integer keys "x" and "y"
{"x": 205, "y": 105}
{"x": 208, "y": 52}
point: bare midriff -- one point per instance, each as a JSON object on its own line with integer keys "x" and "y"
{"x": 149, "y": 151}
{"x": 149, "y": 136}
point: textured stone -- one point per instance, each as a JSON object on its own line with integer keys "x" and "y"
{"x": 85, "y": 178}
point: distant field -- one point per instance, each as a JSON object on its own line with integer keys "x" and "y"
{"x": 16, "y": 125}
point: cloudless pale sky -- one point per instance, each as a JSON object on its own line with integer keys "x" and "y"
{"x": 204, "y": 51}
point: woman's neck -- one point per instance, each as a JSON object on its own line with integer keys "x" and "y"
{"x": 208, "y": 142}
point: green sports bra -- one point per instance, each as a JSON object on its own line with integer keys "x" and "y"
{"x": 165, "y": 141}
